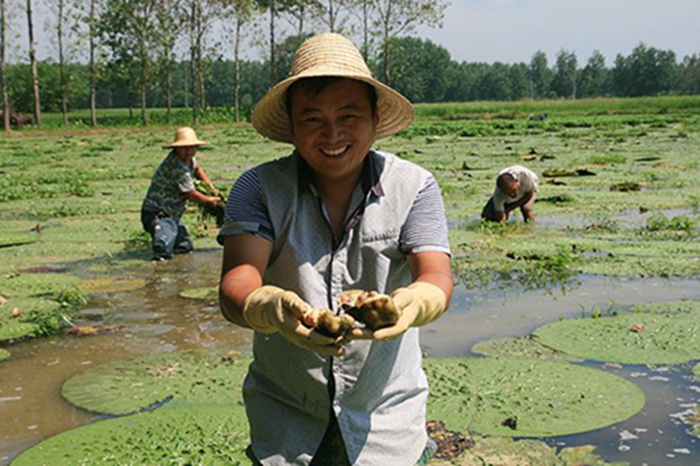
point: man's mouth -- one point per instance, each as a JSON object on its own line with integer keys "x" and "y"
{"x": 335, "y": 152}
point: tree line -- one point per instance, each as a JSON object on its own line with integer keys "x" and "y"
{"x": 141, "y": 54}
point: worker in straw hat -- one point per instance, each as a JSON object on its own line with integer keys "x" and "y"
{"x": 172, "y": 186}
{"x": 334, "y": 216}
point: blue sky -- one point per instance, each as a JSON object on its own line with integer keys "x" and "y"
{"x": 513, "y": 30}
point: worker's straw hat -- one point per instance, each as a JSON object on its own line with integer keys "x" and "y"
{"x": 185, "y": 137}
{"x": 329, "y": 55}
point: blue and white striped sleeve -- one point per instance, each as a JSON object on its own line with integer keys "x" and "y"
{"x": 246, "y": 211}
{"x": 426, "y": 225}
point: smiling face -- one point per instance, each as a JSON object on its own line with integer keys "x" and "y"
{"x": 333, "y": 128}
{"x": 186, "y": 152}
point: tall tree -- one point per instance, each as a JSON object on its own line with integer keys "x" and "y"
{"x": 3, "y": 67}
{"x": 362, "y": 11}
{"x": 297, "y": 11}
{"x": 646, "y": 71}
{"x": 689, "y": 75}
{"x": 240, "y": 12}
{"x": 397, "y": 17}
{"x": 330, "y": 14}
{"x": 33, "y": 64}
{"x": 421, "y": 69}
{"x": 594, "y": 76}
{"x": 540, "y": 76}
{"x": 166, "y": 15}
{"x": 565, "y": 78}
{"x": 62, "y": 15}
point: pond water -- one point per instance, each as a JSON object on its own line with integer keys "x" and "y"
{"x": 157, "y": 319}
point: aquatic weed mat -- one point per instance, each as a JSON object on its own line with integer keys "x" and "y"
{"x": 204, "y": 434}
{"x": 503, "y": 451}
{"x": 4, "y": 354}
{"x": 33, "y": 284}
{"x": 111, "y": 284}
{"x": 19, "y": 317}
{"x": 628, "y": 338}
{"x": 526, "y": 397}
{"x": 204, "y": 293}
{"x": 123, "y": 387}
{"x": 520, "y": 347}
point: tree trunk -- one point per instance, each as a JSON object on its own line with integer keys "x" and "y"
{"x": 3, "y": 84}
{"x": 144, "y": 78}
{"x": 237, "y": 64}
{"x": 62, "y": 65}
{"x": 33, "y": 65}
{"x": 93, "y": 71}
{"x": 169, "y": 88}
{"x": 193, "y": 65}
{"x": 273, "y": 71}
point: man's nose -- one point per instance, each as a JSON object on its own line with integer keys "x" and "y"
{"x": 332, "y": 130}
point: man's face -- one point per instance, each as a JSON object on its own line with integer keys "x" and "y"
{"x": 334, "y": 130}
{"x": 511, "y": 189}
{"x": 186, "y": 152}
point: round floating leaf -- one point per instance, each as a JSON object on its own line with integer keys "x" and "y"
{"x": 111, "y": 285}
{"x": 186, "y": 434}
{"x": 30, "y": 284}
{"x": 4, "y": 354}
{"x": 634, "y": 338}
{"x": 124, "y": 387}
{"x": 17, "y": 327}
{"x": 526, "y": 397}
{"x": 521, "y": 347}
{"x": 207, "y": 293}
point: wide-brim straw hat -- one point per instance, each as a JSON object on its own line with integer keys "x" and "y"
{"x": 326, "y": 55}
{"x": 185, "y": 137}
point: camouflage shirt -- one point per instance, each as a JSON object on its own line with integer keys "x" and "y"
{"x": 169, "y": 185}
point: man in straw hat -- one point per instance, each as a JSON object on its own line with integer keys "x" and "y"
{"x": 334, "y": 216}
{"x": 172, "y": 185}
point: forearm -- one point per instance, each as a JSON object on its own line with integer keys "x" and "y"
{"x": 199, "y": 198}
{"x": 235, "y": 287}
{"x": 202, "y": 175}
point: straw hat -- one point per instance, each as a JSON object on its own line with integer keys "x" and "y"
{"x": 329, "y": 54}
{"x": 185, "y": 137}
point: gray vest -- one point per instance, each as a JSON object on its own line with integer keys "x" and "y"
{"x": 380, "y": 388}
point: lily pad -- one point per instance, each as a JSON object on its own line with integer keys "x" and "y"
{"x": 634, "y": 338}
{"x": 111, "y": 285}
{"x": 520, "y": 347}
{"x": 206, "y": 293}
{"x": 503, "y": 451}
{"x": 15, "y": 327}
{"x": 4, "y": 354}
{"x": 208, "y": 434}
{"x": 32, "y": 284}
{"x": 124, "y": 387}
{"x": 526, "y": 397}
{"x": 696, "y": 371}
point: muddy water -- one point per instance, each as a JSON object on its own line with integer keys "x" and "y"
{"x": 156, "y": 319}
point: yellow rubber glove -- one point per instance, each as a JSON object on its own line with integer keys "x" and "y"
{"x": 264, "y": 308}
{"x": 420, "y": 304}
{"x": 270, "y": 309}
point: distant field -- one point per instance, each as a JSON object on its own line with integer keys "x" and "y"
{"x": 687, "y": 105}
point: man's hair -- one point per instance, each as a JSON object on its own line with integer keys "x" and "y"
{"x": 315, "y": 86}
{"x": 505, "y": 180}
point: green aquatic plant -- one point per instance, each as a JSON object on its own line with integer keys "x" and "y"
{"x": 28, "y": 317}
{"x": 520, "y": 347}
{"x": 202, "y": 434}
{"x": 207, "y": 293}
{"x": 629, "y": 338}
{"x": 682, "y": 223}
{"x": 123, "y": 387}
{"x": 526, "y": 397}
{"x": 4, "y": 354}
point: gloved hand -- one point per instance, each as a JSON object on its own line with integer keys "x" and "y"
{"x": 270, "y": 309}
{"x": 420, "y": 303}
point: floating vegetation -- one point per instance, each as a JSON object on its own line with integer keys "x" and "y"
{"x": 630, "y": 338}
{"x": 4, "y": 354}
{"x": 111, "y": 284}
{"x": 124, "y": 387}
{"x": 28, "y": 317}
{"x": 207, "y": 293}
{"x": 526, "y": 397}
{"x": 35, "y": 284}
{"x": 626, "y": 186}
{"x": 503, "y": 451}
{"x": 206, "y": 434}
{"x": 520, "y": 347}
